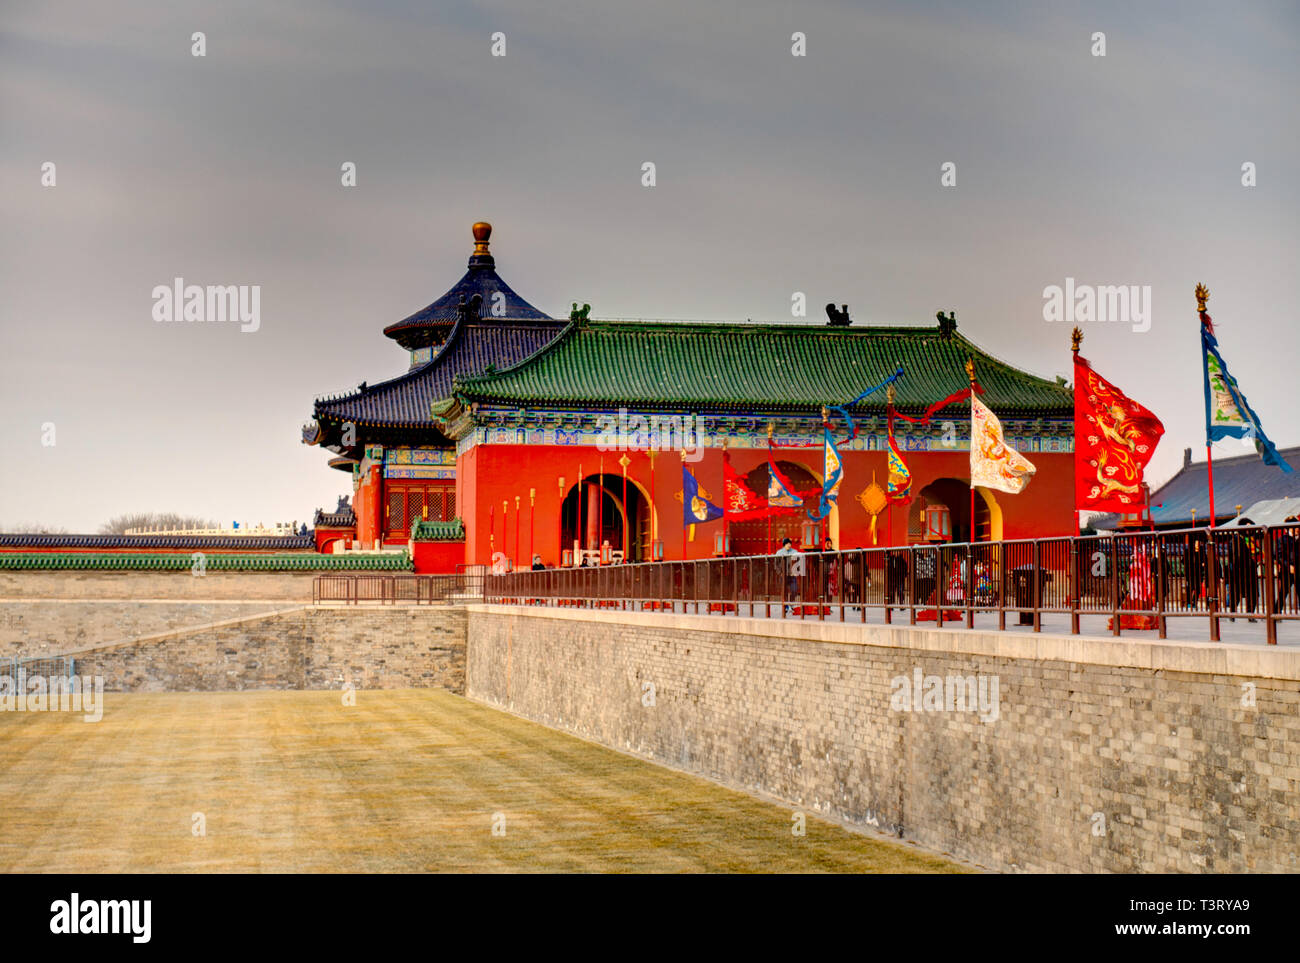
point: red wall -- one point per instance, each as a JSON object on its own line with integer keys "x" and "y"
{"x": 366, "y": 505}
{"x": 488, "y": 474}
{"x": 437, "y": 556}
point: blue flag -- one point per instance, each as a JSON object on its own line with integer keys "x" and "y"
{"x": 1227, "y": 413}
{"x": 832, "y": 473}
{"x": 695, "y": 509}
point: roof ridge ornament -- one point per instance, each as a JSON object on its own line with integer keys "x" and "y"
{"x": 947, "y": 324}
{"x": 470, "y": 310}
{"x": 576, "y": 315}
{"x": 482, "y": 257}
{"x": 840, "y": 318}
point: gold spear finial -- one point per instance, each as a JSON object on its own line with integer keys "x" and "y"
{"x": 889, "y": 393}
{"x": 1202, "y": 295}
{"x": 1076, "y": 339}
{"x": 771, "y": 427}
{"x": 970, "y": 369}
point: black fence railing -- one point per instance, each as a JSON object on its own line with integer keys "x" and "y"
{"x": 398, "y": 589}
{"x": 1140, "y": 580}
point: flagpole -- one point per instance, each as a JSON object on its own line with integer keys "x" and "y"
{"x": 1076, "y": 341}
{"x": 1209, "y": 473}
{"x": 970, "y": 373}
{"x": 689, "y": 534}
{"x": 770, "y": 426}
{"x": 726, "y": 524}
{"x": 889, "y": 434}
{"x": 821, "y": 536}
{"x": 650, "y": 453}
{"x": 627, "y": 518}
{"x": 1202, "y": 296}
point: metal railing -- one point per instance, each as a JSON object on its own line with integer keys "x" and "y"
{"x": 1140, "y": 580}
{"x": 398, "y": 589}
{"x": 19, "y": 670}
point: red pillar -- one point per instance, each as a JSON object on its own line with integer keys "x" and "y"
{"x": 593, "y": 515}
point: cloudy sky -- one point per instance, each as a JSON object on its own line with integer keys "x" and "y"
{"x": 775, "y": 174}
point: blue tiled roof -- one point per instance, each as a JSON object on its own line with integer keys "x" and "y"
{"x": 483, "y": 280}
{"x": 1241, "y": 480}
{"x": 472, "y": 347}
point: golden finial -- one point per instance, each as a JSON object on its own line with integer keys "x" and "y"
{"x": 1076, "y": 339}
{"x": 826, "y": 415}
{"x": 482, "y": 231}
{"x": 771, "y": 426}
{"x": 970, "y": 369}
{"x": 1202, "y": 295}
{"x": 890, "y": 394}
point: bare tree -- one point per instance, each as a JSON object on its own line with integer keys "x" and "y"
{"x": 164, "y": 520}
{"x": 29, "y": 528}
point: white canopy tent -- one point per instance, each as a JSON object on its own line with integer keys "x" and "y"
{"x": 1270, "y": 511}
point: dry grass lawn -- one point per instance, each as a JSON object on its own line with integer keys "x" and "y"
{"x": 404, "y": 781}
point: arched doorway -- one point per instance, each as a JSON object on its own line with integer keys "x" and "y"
{"x": 988, "y": 517}
{"x": 762, "y": 536}
{"x": 604, "y": 519}
{"x": 955, "y": 494}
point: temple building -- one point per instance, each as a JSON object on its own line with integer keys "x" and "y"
{"x": 515, "y": 434}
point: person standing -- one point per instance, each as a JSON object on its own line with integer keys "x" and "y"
{"x": 1242, "y": 575}
{"x": 927, "y": 564}
{"x": 1194, "y": 570}
{"x": 1286, "y": 555}
{"x": 792, "y": 571}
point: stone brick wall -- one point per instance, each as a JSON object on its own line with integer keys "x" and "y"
{"x": 307, "y": 648}
{"x": 241, "y": 586}
{"x": 53, "y": 627}
{"x": 1104, "y": 755}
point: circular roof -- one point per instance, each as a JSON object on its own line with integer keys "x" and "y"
{"x": 497, "y": 300}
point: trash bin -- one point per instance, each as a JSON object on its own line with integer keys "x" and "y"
{"x": 1023, "y": 589}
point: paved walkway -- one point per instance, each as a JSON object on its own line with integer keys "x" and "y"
{"x": 403, "y": 781}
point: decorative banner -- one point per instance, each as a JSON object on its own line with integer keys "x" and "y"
{"x": 1114, "y": 439}
{"x": 844, "y": 408}
{"x": 738, "y": 500}
{"x": 780, "y": 493}
{"x": 899, "y": 481}
{"x": 873, "y": 501}
{"x": 832, "y": 473}
{"x": 1227, "y": 413}
{"x": 993, "y": 463}
{"x": 695, "y": 509}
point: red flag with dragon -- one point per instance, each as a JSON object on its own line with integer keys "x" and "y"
{"x": 1114, "y": 439}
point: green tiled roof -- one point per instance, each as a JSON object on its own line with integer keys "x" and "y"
{"x": 452, "y": 531}
{"x": 181, "y": 562}
{"x": 757, "y": 367}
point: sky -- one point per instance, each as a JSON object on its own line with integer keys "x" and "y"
{"x": 774, "y": 174}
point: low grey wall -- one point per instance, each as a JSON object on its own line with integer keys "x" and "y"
{"x": 1104, "y": 755}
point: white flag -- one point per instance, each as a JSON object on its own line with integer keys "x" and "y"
{"x": 993, "y": 463}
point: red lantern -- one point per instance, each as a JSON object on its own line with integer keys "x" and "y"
{"x": 808, "y": 536}
{"x": 936, "y": 523}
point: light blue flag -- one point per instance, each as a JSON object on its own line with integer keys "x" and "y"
{"x": 1227, "y": 413}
